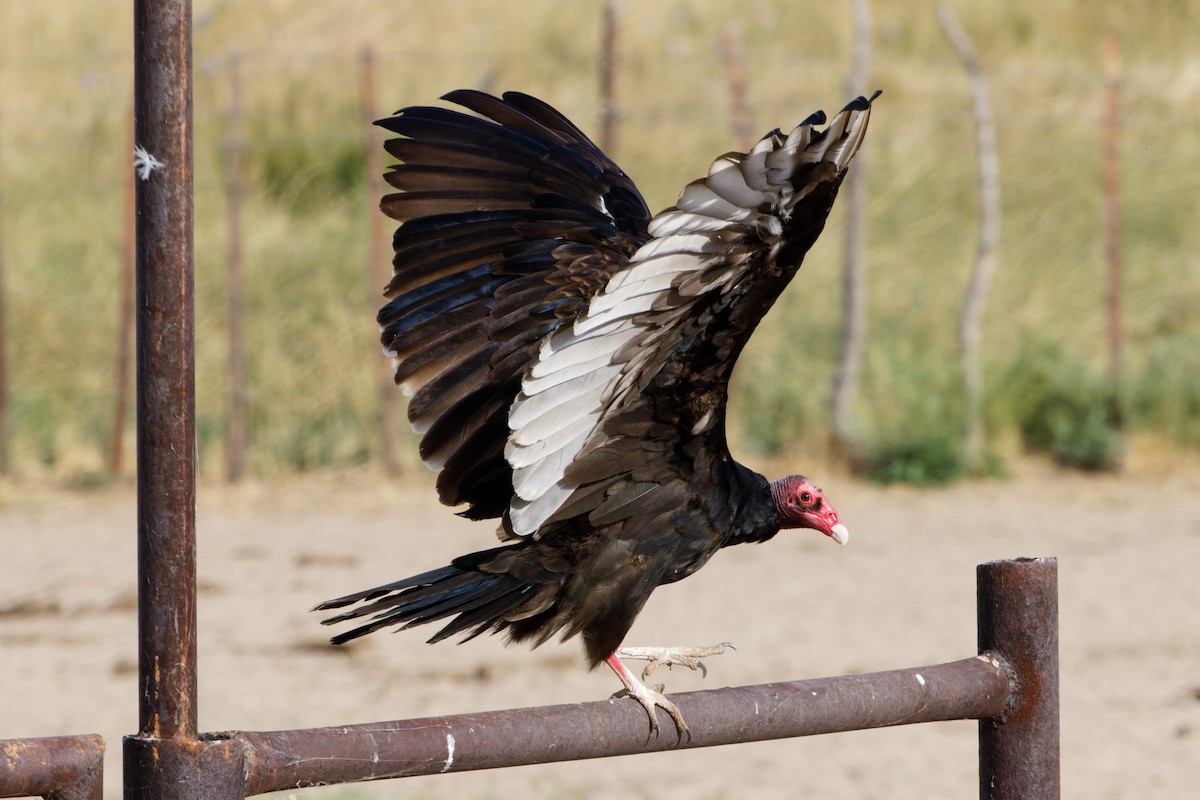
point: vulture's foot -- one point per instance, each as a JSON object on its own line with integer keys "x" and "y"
{"x": 673, "y": 656}
{"x": 650, "y": 697}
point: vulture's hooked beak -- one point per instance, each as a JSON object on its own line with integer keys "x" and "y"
{"x": 827, "y": 522}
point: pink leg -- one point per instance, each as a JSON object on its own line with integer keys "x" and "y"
{"x": 649, "y": 698}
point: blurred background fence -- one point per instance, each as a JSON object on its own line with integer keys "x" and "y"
{"x": 286, "y": 219}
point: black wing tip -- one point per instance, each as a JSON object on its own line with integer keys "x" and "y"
{"x": 330, "y": 604}
{"x": 348, "y": 636}
{"x": 861, "y": 103}
{"x": 455, "y": 95}
{"x": 342, "y": 602}
{"x": 816, "y": 118}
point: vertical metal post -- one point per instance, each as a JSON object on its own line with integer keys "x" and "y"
{"x": 4, "y": 429}
{"x": 237, "y": 431}
{"x": 1112, "y": 210}
{"x": 378, "y": 266}
{"x": 166, "y": 413}
{"x": 166, "y": 759}
{"x": 1018, "y": 621}
{"x": 855, "y": 308}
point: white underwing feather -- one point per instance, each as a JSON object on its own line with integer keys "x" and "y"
{"x": 727, "y": 180}
{"x": 754, "y": 166}
{"x": 665, "y": 270}
{"x": 677, "y": 221}
{"x": 583, "y": 355}
{"x": 552, "y": 433}
{"x": 685, "y": 242}
{"x": 532, "y": 408}
{"x": 699, "y": 199}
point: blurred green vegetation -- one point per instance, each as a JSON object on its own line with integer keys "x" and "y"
{"x": 65, "y": 87}
{"x": 1064, "y": 409}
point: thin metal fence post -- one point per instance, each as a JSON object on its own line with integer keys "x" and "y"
{"x": 1018, "y": 619}
{"x": 378, "y": 268}
{"x": 237, "y": 432}
{"x": 1112, "y": 211}
{"x": 855, "y": 306}
{"x": 4, "y": 426}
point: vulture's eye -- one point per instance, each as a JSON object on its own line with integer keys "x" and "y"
{"x": 806, "y": 497}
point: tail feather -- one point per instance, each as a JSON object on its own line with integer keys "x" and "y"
{"x": 424, "y": 579}
{"x": 478, "y": 601}
{"x": 405, "y": 594}
{"x": 491, "y": 615}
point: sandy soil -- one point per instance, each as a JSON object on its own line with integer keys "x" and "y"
{"x": 902, "y": 594}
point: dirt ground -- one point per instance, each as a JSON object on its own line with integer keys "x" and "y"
{"x": 901, "y": 594}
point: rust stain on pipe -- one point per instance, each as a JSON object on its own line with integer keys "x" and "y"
{"x": 56, "y": 767}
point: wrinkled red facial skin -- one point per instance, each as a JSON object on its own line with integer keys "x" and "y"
{"x": 800, "y": 504}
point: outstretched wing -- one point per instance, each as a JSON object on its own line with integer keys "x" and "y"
{"x": 622, "y": 413}
{"x": 510, "y": 222}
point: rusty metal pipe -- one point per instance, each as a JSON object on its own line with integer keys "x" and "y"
{"x": 182, "y": 769}
{"x": 56, "y": 767}
{"x": 973, "y": 688}
{"x": 166, "y": 759}
{"x": 1018, "y": 616}
{"x": 166, "y": 415}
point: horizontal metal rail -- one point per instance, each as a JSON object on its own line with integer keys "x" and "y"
{"x": 54, "y": 767}
{"x": 974, "y": 688}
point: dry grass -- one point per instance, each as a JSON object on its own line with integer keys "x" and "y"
{"x": 65, "y": 84}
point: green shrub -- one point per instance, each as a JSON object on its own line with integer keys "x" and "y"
{"x": 922, "y": 460}
{"x": 771, "y": 416}
{"x": 302, "y": 174}
{"x": 1063, "y": 409}
{"x": 1166, "y": 397}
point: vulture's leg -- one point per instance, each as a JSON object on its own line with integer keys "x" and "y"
{"x": 673, "y": 656}
{"x": 648, "y": 697}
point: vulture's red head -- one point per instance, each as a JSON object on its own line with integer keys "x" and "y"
{"x": 800, "y": 504}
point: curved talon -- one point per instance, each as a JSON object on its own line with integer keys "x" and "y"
{"x": 673, "y": 656}
{"x": 652, "y": 697}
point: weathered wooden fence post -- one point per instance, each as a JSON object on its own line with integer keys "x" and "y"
{"x": 970, "y": 328}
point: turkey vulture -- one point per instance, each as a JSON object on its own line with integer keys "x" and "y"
{"x": 568, "y": 359}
